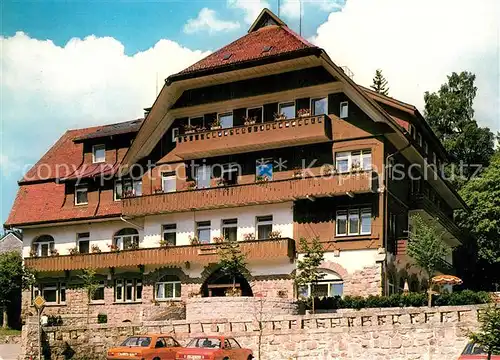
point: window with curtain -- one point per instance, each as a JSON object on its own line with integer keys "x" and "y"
{"x": 353, "y": 221}
{"x": 168, "y": 288}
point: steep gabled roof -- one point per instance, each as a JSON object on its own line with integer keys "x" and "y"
{"x": 268, "y": 37}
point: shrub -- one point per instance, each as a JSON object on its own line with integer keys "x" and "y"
{"x": 53, "y": 320}
{"x": 102, "y": 318}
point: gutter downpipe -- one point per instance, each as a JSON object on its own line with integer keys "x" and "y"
{"x": 386, "y": 212}
{"x": 131, "y": 223}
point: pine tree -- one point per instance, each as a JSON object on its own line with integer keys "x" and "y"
{"x": 380, "y": 83}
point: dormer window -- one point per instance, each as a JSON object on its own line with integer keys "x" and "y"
{"x": 81, "y": 196}
{"x": 98, "y": 153}
{"x": 344, "y": 109}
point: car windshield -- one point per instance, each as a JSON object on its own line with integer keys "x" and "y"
{"x": 139, "y": 341}
{"x": 206, "y": 343}
{"x": 475, "y": 349}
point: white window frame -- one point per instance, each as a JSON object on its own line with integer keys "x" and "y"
{"x": 197, "y": 117}
{"x": 330, "y": 283}
{"x": 168, "y": 176}
{"x": 288, "y": 103}
{"x": 344, "y": 105}
{"x": 169, "y": 229}
{"x": 263, "y": 223}
{"x": 122, "y": 285}
{"x": 40, "y": 288}
{"x": 226, "y": 114}
{"x": 225, "y": 225}
{"x": 208, "y": 172}
{"x": 204, "y": 227}
{"x": 80, "y": 238}
{"x": 311, "y": 107}
{"x": 434, "y": 158}
{"x": 120, "y": 239}
{"x": 134, "y": 189}
{"x": 164, "y": 284}
{"x": 419, "y": 139}
{"x": 96, "y": 148}
{"x": 343, "y": 155}
{"x": 261, "y": 112}
{"x": 426, "y": 147}
{"x": 39, "y": 244}
{"x": 81, "y": 189}
{"x": 346, "y": 212}
{"x": 175, "y": 134}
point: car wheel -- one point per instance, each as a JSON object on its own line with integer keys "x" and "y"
{"x": 156, "y": 358}
{"x": 250, "y": 357}
{"x": 226, "y": 358}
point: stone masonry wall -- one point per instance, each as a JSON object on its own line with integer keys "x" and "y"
{"x": 367, "y": 281}
{"x": 238, "y": 308}
{"x": 438, "y": 333}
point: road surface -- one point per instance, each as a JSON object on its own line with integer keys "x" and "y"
{"x": 9, "y": 351}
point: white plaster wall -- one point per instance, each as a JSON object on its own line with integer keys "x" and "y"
{"x": 101, "y": 234}
{"x": 352, "y": 260}
{"x": 186, "y": 222}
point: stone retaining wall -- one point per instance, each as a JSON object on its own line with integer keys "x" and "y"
{"x": 10, "y": 339}
{"x": 400, "y": 333}
{"x": 238, "y": 308}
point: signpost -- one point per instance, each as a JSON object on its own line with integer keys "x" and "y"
{"x": 39, "y": 304}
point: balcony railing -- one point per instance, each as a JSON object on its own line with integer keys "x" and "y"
{"x": 172, "y": 255}
{"x": 424, "y": 203}
{"x": 240, "y": 139}
{"x": 251, "y": 194}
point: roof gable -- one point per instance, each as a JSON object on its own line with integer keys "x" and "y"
{"x": 265, "y": 18}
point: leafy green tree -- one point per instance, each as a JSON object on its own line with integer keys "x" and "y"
{"x": 13, "y": 279}
{"x": 380, "y": 83}
{"x": 90, "y": 284}
{"x": 426, "y": 247}
{"x": 482, "y": 195}
{"x": 232, "y": 261}
{"x": 488, "y": 335}
{"x": 307, "y": 267}
{"x": 450, "y": 113}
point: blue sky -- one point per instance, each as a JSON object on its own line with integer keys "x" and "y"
{"x": 73, "y": 64}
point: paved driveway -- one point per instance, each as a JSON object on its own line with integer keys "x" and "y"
{"x": 9, "y": 351}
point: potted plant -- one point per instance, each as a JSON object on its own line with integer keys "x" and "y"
{"x": 220, "y": 181}
{"x": 218, "y": 239}
{"x": 158, "y": 190}
{"x": 276, "y": 234}
{"x": 193, "y": 240}
{"x": 33, "y": 253}
{"x": 164, "y": 243}
{"x": 328, "y": 170}
{"x": 279, "y": 116}
{"x": 133, "y": 246}
{"x": 261, "y": 178}
{"x": 249, "y": 120}
{"x": 189, "y": 129}
{"x": 356, "y": 167}
{"x": 54, "y": 252}
{"x": 128, "y": 194}
{"x": 233, "y": 291}
{"x": 191, "y": 185}
{"x": 74, "y": 251}
{"x": 304, "y": 112}
{"x": 216, "y": 125}
{"x": 113, "y": 247}
{"x": 249, "y": 236}
{"x": 95, "y": 249}
{"x": 298, "y": 173}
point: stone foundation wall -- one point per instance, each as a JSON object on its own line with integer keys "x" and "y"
{"x": 373, "y": 334}
{"x": 238, "y": 308}
{"x": 364, "y": 282}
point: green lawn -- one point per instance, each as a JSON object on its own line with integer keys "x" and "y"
{"x": 9, "y": 332}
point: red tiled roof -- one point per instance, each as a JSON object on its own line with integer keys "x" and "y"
{"x": 93, "y": 170}
{"x": 45, "y": 202}
{"x": 62, "y": 159}
{"x": 250, "y": 47}
{"x": 126, "y": 127}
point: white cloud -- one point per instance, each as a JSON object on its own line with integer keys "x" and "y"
{"x": 48, "y": 89}
{"x": 291, "y": 8}
{"x": 417, "y": 43}
{"x": 207, "y": 21}
{"x": 251, "y": 8}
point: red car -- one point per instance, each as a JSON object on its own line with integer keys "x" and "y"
{"x": 475, "y": 352}
{"x": 214, "y": 348}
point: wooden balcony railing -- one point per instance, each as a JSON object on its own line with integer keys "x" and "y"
{"x": 241, "y": 139}
{"x": 251, "y": 194}
{"x": 173, "y": 255}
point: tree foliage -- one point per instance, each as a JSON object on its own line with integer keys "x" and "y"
{"x": 488, "y": 336}
{"x": 426, "y": 245}
{"x": 232, "y": 261}
{"x": 450, "y": 113}
{"x": 482, "y": 195}
{"x": 307, "y": 267}
{"x": 380, "y": 83}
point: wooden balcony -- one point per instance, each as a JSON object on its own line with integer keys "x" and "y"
{"x": 421, "y": 203}
{"x": 251, "y": 194}
{"x": 241, "y": 139}
{"x": 255, "y": 250}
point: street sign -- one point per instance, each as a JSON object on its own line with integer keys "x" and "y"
{"x": 39, "y": 302}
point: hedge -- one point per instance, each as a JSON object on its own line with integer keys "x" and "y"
{"x": 466, "y": 297}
